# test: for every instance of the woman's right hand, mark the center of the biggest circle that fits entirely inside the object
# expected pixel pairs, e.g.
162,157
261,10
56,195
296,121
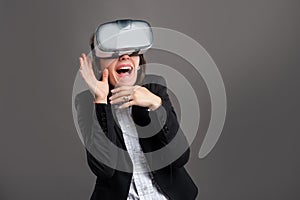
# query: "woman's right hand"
99,89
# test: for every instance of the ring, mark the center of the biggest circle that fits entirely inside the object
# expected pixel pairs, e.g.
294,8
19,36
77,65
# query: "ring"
126,98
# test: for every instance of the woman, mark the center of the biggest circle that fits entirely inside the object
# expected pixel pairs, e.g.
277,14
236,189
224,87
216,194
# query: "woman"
125,102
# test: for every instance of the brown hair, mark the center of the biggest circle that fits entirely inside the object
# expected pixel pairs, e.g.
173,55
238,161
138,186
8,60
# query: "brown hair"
96,64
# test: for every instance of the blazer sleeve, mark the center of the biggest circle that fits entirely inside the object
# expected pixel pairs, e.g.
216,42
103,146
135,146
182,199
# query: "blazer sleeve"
97,134
170,127
102,153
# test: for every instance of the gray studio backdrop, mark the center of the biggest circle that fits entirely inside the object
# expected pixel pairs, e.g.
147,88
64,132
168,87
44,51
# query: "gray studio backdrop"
255,44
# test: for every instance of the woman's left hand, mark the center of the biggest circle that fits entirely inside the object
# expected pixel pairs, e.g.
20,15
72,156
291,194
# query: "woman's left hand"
135,95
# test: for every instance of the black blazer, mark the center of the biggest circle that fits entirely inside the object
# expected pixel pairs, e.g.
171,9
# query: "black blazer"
98,129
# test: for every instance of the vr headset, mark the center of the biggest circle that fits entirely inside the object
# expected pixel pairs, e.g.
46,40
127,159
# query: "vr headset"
113,39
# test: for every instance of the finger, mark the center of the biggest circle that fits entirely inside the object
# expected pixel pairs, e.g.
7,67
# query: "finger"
122,88
81,62
120,94
86,62
127,104
121,99
86,70
105,76
82,68
115,101
83,56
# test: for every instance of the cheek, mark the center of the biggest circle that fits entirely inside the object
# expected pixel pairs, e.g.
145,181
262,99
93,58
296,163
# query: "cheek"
111,75
106,63
111,69
136,61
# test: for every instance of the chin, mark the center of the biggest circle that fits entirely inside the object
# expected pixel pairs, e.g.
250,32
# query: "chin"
125,83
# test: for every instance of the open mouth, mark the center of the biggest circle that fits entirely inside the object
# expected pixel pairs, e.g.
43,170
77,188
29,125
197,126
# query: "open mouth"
124,70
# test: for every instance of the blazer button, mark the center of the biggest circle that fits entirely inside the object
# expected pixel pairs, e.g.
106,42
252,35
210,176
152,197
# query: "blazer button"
166,129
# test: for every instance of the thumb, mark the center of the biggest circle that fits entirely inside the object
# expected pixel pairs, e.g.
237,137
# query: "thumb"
105,76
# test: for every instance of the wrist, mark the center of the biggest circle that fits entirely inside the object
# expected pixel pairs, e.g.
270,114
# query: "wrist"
100,100
155,104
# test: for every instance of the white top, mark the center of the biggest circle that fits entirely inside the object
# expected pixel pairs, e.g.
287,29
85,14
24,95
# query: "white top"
143,185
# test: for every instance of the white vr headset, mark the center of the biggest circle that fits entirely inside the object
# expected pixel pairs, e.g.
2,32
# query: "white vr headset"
113,39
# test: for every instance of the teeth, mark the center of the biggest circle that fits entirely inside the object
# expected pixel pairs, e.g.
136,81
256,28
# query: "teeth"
125,67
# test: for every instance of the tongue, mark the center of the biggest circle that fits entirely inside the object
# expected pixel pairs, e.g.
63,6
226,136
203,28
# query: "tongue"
122,71
123,74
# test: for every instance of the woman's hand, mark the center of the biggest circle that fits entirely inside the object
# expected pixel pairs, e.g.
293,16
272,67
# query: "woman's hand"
135,95
99,89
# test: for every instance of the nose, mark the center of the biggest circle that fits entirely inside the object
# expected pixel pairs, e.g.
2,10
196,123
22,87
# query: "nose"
124,57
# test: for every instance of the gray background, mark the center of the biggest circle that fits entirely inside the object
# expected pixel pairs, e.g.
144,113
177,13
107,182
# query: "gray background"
255,44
